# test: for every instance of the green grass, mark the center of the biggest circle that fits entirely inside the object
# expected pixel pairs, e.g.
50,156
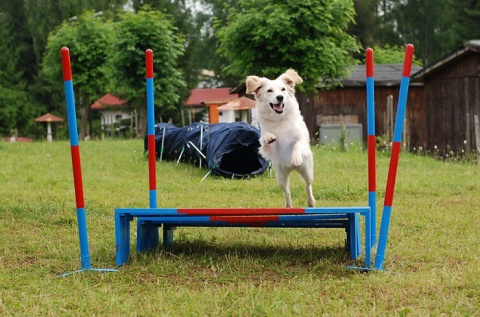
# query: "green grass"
432,258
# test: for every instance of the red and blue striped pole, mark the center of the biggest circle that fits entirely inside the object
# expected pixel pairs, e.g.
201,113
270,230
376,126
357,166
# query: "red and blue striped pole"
77,168
371,141
147,237
75,151
396,146
151,129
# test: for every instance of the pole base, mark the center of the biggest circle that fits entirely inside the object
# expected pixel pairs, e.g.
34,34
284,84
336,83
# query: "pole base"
88,269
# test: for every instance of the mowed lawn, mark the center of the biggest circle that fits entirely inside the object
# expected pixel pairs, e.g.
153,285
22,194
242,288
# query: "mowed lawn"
432,260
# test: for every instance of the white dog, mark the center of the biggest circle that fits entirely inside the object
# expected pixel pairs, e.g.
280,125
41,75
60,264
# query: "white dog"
284,136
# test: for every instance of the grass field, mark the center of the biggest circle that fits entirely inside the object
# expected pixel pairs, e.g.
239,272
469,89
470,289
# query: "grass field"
432,258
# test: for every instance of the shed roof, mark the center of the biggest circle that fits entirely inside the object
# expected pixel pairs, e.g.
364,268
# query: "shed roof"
210,96
470,47
242,103
384,75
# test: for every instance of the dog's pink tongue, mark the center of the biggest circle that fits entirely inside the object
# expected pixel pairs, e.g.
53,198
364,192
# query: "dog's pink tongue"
278,107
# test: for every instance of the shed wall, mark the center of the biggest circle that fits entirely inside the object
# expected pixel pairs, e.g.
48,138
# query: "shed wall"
452,97
350,102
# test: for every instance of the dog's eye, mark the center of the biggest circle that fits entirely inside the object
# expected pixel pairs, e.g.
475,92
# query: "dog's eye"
270,91
283,89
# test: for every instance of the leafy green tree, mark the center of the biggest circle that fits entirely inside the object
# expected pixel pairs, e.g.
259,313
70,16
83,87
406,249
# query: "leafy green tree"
88,39
15,109
366,25
466,25
215,16
29,22
265,37
426,24
392,55
134,34
184,20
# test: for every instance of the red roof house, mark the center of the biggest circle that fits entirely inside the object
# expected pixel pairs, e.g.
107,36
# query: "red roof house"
211,98
112,112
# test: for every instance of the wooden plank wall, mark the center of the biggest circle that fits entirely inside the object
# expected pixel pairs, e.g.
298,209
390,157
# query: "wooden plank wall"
452,99
351,103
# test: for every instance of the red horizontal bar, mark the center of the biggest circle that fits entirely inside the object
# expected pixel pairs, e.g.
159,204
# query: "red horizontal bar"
240,211
246,220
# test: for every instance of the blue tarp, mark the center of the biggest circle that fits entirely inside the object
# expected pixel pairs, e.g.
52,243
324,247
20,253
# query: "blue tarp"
230,149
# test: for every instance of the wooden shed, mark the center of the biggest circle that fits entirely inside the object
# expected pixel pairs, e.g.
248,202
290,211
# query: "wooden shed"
347,104
452,99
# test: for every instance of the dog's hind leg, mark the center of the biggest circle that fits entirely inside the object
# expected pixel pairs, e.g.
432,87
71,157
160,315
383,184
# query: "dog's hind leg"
306,173
283,178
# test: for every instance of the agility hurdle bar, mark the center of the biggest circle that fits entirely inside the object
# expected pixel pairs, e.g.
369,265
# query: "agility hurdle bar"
77,169
149,219
396,146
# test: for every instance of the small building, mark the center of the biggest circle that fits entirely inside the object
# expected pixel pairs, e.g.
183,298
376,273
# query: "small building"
112,111
241,109
211,99
452,99
346,105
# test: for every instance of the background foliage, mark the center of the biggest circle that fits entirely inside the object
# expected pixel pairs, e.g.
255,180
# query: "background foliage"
87,38
135,33
435,26
268,37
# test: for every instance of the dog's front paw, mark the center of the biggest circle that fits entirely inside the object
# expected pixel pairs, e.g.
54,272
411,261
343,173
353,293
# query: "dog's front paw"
269,138
296,160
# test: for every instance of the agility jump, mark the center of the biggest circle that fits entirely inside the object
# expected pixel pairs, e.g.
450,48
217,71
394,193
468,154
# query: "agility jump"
150,219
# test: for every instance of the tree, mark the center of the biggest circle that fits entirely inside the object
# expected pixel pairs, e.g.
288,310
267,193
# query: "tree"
88,39
466,24
266,37
365,27
15,110
215,16
134,34
392,55
426,24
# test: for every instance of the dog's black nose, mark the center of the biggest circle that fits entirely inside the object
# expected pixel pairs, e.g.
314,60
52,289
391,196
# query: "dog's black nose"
280,98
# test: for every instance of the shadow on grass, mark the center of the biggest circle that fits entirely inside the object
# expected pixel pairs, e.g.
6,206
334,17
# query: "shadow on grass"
203,259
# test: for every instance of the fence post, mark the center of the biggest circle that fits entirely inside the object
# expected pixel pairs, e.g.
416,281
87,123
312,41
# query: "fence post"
389,118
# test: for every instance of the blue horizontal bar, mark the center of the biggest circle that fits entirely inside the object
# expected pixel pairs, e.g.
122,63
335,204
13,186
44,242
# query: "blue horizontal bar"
205,221
139,212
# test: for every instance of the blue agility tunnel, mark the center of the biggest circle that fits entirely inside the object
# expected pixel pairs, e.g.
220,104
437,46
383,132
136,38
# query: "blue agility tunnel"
226,149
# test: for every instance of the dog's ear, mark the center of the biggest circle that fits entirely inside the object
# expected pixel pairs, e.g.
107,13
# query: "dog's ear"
291,78
254,83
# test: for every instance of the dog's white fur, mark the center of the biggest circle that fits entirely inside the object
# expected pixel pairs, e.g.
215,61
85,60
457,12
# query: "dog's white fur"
284,136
